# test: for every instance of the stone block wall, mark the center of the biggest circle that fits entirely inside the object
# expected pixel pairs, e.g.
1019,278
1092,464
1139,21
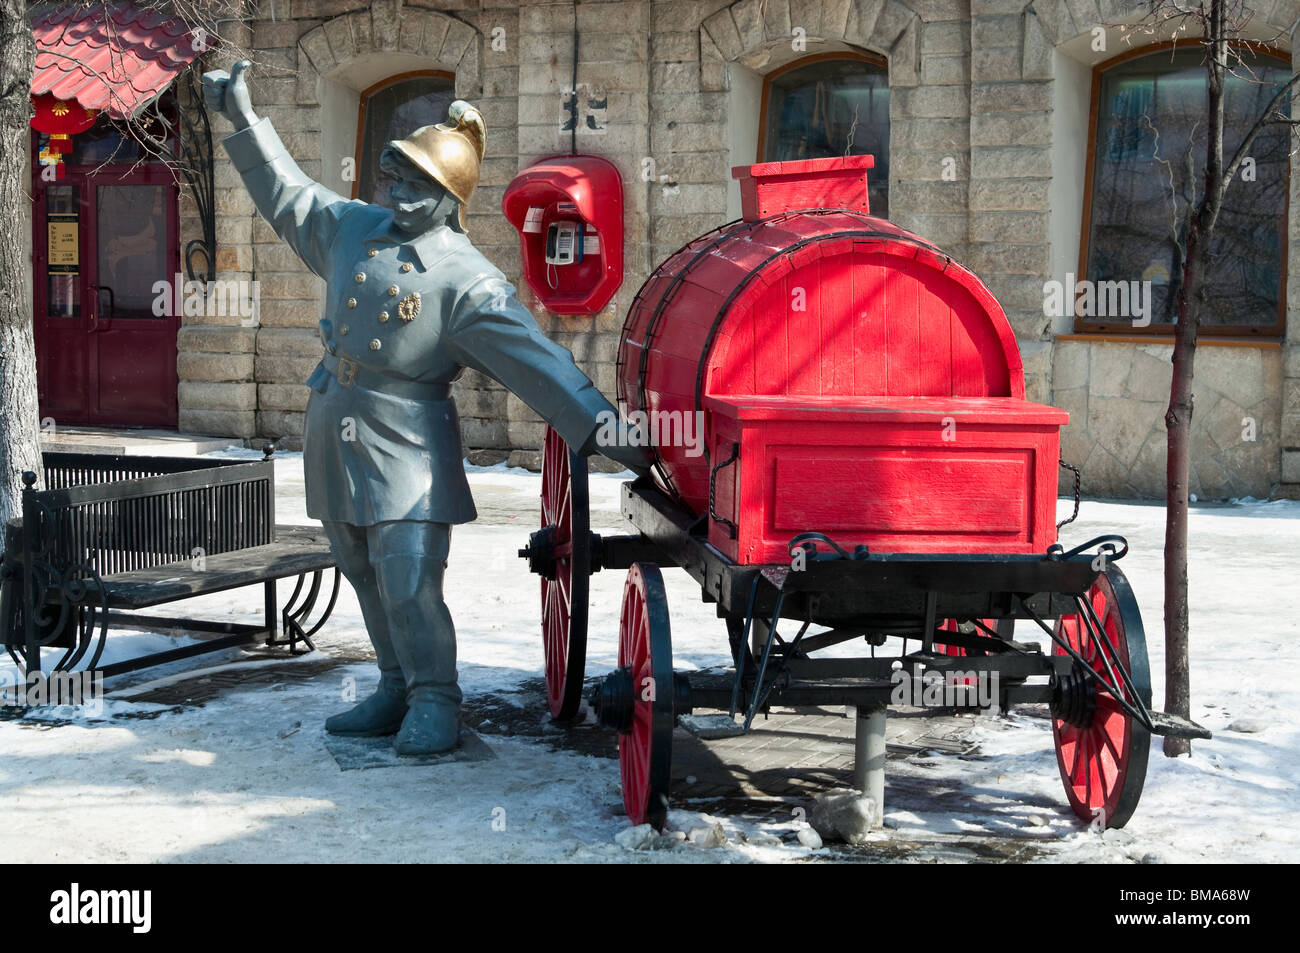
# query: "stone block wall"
974,168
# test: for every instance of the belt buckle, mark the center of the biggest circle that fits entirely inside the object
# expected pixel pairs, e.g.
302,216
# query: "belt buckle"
347,371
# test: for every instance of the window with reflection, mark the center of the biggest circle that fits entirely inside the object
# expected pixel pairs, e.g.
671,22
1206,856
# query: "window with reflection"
830,105
1147,165
132,248
392,110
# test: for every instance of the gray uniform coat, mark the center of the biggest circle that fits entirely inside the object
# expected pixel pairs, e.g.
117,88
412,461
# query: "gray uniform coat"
403,317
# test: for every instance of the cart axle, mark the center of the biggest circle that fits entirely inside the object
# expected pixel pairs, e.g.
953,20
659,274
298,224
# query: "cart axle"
1176,726
614,698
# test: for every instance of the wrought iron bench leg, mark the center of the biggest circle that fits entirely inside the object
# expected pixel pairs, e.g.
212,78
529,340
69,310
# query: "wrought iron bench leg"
269,589
295,615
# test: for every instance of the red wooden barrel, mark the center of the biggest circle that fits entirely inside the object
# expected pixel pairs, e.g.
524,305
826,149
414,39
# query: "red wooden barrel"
806,302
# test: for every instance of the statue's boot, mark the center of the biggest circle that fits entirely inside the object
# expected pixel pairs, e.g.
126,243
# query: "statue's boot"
381,713
414,559
431,726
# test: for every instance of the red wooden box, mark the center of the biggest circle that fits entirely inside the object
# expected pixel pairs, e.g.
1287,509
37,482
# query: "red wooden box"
901,474
769,188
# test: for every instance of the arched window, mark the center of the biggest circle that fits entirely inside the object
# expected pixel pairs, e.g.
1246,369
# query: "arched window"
831,104
392,109
1146,164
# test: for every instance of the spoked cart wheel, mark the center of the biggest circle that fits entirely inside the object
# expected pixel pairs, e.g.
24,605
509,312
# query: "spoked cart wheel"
561,553
1101,750
644,697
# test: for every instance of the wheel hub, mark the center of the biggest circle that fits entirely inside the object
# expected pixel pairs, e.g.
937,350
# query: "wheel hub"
1074,698
540,552
614,700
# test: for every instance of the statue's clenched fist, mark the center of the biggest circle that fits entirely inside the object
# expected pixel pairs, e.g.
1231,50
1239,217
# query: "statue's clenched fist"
227,94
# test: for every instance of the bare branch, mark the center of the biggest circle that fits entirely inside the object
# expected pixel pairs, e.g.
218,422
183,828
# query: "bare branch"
1173,188
1256,128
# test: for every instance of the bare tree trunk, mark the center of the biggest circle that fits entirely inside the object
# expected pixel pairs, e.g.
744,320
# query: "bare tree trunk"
19,426
1178,422
1178,418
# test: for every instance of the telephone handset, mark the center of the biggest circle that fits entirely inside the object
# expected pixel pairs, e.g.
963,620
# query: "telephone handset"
562,243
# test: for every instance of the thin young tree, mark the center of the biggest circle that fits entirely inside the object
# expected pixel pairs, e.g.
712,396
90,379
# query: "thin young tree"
1219,27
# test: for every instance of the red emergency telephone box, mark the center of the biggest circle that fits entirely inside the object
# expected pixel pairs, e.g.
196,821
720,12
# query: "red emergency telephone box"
568,210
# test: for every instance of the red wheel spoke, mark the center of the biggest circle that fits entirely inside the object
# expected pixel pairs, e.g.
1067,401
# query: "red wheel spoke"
564,599
1111,753
645,654
1103,764
1080,749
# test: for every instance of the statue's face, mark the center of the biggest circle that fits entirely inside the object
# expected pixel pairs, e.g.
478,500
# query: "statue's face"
419,203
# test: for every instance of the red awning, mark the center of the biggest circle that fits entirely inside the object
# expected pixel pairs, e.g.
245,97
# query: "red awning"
110,56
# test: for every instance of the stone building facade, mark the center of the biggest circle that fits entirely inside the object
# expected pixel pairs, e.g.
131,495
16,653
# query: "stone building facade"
988,125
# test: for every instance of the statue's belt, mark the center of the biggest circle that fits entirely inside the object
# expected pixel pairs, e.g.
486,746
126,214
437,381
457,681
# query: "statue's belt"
351,374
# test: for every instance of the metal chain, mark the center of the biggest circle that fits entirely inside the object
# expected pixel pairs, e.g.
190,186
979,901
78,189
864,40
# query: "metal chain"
1075,514
713,491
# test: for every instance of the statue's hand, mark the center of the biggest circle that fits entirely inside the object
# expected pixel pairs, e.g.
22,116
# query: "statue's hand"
623,447
227,94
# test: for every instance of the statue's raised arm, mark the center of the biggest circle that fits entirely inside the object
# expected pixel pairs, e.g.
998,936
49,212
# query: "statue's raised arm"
305,214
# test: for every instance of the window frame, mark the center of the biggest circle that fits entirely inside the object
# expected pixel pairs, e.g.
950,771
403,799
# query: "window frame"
1086,326
379,87
873,59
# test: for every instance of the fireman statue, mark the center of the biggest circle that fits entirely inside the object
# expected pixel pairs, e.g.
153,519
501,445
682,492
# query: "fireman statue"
410,303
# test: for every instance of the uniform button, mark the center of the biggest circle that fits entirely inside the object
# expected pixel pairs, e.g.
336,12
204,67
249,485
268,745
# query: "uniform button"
358,277
352,302
374,344
392,290
343,329
406,266
383,316
373,252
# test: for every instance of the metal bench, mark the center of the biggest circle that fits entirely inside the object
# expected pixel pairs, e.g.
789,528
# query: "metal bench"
110,535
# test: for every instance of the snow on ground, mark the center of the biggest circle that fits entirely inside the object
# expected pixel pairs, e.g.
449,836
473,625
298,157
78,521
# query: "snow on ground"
247,777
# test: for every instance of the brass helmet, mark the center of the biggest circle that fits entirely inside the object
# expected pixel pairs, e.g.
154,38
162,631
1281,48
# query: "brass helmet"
450,152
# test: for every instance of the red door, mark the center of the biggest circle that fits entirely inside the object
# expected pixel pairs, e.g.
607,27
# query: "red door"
105,243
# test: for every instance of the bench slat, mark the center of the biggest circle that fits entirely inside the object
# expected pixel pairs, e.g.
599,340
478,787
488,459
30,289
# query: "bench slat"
297,550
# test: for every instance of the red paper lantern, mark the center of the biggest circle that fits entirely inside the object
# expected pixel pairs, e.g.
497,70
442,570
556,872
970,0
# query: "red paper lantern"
61,119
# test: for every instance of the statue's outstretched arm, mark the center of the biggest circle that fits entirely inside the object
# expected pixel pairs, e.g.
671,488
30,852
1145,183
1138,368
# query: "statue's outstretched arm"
493,333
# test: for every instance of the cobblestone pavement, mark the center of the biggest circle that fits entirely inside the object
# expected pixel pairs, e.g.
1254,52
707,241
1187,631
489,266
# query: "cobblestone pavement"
764,775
